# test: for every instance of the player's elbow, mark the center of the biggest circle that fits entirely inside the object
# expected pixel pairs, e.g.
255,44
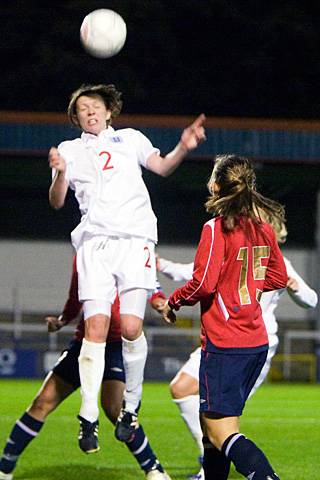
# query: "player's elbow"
166,168
57,206
56,203
56,198
162,171
160,166
165,172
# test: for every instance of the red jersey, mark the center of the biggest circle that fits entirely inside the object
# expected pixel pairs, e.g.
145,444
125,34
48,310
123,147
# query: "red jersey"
231,270
73,309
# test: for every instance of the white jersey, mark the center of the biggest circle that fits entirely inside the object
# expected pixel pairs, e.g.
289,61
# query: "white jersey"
105,172
305,297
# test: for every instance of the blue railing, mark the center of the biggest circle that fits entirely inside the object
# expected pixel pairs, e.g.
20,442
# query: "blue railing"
264,143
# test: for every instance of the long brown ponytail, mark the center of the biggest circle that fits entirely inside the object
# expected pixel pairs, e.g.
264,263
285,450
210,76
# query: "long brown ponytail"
236,194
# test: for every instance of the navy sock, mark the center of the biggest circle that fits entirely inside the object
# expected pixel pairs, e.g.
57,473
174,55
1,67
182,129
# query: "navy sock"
142,451
215,464
24,430
248,459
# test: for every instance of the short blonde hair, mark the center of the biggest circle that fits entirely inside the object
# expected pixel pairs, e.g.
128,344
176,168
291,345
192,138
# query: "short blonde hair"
277,224
280,230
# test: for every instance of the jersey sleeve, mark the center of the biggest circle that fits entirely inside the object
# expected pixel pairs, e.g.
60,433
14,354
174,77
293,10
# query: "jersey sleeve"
178,272
144,148
305,297
72,306
276,275
207,266
156,293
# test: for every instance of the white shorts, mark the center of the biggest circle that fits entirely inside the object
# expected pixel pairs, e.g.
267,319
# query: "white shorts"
110,265
192,365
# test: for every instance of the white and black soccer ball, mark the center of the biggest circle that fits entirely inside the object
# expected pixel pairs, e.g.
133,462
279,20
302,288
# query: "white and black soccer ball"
103,33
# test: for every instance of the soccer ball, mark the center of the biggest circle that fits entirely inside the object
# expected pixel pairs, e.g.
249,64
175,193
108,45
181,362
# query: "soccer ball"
103,33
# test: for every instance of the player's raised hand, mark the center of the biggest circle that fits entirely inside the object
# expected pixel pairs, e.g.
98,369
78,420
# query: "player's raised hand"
194,133
55,160
167,313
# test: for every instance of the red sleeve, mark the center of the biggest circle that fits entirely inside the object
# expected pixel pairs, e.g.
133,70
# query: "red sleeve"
72,306
276,276
207,265
155,295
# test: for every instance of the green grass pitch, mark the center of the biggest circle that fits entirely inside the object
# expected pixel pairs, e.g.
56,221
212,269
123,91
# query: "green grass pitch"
283,419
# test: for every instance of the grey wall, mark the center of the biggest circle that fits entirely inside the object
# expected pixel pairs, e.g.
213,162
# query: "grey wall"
35,275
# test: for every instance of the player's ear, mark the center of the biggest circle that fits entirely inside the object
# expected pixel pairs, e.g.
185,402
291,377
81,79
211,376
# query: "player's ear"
75,120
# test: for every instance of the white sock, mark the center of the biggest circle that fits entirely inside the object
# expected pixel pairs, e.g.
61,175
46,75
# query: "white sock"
91,368
189,410
134,359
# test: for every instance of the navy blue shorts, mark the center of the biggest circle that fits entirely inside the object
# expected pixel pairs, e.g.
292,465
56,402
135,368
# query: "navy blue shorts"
67,367
227,379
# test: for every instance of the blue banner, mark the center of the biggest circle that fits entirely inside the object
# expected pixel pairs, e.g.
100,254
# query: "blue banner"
18,363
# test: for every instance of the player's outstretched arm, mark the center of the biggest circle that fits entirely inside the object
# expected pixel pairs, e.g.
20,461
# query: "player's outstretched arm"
299,291
59,186
178,272
191,137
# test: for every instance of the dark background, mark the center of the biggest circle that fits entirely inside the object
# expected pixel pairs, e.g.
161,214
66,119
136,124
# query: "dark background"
226,58
177,200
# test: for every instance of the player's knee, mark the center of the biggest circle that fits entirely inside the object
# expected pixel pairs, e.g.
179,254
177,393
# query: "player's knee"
176,390
131,332
96,332
42,406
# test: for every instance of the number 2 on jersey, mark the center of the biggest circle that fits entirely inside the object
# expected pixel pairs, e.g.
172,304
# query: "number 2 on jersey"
107,165
258,270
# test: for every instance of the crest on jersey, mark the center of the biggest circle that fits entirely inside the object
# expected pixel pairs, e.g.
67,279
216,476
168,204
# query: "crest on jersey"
116,139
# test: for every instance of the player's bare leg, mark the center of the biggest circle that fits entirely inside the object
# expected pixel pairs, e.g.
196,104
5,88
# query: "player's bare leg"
91,368
52,392
111,398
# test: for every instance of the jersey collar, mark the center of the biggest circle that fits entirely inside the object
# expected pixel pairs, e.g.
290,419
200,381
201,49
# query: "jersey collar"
90,139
